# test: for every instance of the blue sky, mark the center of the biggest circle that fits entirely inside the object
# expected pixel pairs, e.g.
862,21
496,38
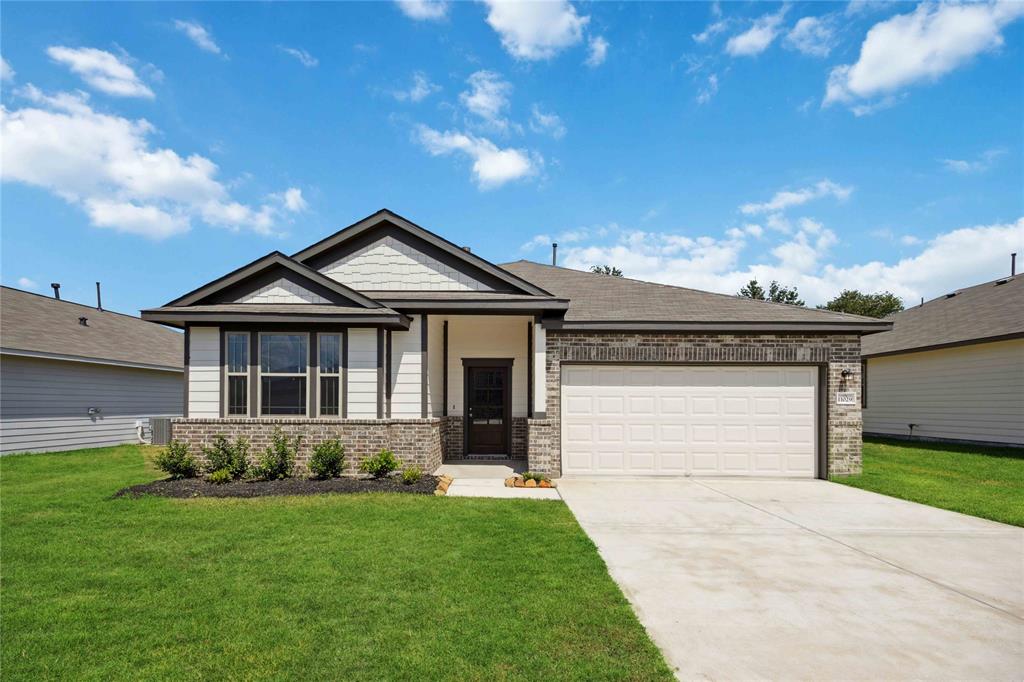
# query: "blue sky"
155,147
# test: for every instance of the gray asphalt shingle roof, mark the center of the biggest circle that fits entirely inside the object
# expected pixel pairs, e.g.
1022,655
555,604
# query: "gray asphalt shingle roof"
985,311
41,324
601,298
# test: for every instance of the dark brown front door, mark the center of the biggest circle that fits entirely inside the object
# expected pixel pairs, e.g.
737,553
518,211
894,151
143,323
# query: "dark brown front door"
488,409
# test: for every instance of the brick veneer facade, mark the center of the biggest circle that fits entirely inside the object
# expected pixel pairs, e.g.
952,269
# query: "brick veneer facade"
427,442
417,442
835,352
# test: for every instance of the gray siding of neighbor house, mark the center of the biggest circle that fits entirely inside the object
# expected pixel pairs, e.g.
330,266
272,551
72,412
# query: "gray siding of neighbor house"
44,404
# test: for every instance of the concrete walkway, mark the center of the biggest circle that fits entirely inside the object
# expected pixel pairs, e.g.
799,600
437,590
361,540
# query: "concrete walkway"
475,478
758,579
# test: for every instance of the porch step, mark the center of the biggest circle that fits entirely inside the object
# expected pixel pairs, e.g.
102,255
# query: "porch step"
493,458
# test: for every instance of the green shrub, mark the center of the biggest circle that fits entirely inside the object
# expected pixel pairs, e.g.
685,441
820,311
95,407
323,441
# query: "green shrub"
234,457
534,476
327,459
177,461
411,475
381,464
220,476
278,460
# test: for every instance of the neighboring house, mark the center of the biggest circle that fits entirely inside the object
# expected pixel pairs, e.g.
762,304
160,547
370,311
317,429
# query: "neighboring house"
387,335
951,368
73,376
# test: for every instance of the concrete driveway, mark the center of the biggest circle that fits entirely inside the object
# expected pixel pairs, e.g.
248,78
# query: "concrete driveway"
746,579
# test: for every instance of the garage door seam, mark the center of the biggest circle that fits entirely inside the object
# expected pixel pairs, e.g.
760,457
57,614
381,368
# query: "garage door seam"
861,551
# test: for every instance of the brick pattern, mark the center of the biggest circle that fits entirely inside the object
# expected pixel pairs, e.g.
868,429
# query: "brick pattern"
282,291
417,442
452,435
839,351
390,265
542,452
519,438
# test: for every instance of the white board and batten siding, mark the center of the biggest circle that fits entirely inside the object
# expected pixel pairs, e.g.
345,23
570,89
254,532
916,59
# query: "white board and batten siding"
362,373
973,393
685,420
204,372
45,403
407,371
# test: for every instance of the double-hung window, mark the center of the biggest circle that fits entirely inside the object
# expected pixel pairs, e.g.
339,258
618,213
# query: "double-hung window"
283,371
330,375
237,346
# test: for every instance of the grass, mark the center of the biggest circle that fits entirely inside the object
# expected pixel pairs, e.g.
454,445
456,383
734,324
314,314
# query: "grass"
349,587
980,481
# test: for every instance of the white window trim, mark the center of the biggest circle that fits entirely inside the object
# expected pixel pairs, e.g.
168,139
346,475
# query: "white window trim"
320,373
260,374
228,374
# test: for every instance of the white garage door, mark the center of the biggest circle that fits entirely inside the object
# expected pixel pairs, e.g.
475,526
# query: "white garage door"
681,420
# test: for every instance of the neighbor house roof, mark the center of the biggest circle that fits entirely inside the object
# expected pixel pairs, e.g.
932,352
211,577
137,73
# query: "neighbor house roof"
41,326
604,302
987,312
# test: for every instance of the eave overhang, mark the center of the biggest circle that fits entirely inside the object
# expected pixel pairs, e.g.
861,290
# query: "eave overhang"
180,317
556,324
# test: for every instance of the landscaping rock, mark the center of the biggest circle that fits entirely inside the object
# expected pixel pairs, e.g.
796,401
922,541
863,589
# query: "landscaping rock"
546,484
531,484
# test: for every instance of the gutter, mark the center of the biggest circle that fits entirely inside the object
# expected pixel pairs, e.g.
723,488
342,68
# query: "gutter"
93,361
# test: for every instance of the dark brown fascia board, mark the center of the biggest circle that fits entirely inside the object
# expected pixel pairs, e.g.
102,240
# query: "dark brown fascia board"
940,346
482,306
272,258
440,242
179,318
717,327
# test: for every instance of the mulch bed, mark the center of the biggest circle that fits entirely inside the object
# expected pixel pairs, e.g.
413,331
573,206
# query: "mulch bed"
198,487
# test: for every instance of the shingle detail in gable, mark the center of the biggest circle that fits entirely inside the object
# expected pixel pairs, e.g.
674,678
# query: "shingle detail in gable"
390,265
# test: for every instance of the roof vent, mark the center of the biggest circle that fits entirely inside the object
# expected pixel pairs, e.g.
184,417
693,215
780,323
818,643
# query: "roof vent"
466,249
1001,281
84,321
951,295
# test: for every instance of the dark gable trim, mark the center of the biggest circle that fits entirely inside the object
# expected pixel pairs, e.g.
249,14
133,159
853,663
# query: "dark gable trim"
482,270
477,307
767,327
940,346
184,316
273,259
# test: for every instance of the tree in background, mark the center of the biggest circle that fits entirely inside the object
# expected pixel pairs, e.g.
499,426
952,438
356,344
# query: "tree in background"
606,270
871,305
776,293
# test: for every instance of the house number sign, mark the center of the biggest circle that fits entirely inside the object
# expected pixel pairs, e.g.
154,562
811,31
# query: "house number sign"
846,398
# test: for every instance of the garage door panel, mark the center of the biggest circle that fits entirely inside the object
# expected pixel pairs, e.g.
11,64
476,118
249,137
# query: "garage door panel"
676,420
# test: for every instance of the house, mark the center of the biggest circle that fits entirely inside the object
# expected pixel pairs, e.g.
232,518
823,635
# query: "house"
387,335
74,376
951,369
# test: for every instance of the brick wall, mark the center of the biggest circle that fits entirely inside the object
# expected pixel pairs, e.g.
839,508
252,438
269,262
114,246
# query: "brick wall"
837,352
452,436
542,452
417,442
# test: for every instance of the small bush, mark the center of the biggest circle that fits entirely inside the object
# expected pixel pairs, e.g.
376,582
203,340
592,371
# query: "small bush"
381,464
177,461
534,476
234,457
411,475
327,459
278,460
220,476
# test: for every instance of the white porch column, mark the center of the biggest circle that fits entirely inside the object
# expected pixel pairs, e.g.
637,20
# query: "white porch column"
540,388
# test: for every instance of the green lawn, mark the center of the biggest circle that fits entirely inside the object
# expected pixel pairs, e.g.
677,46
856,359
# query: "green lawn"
981,481
327,587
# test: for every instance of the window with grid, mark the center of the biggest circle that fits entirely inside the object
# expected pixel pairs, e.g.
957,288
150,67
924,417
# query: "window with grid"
283,367
330,374
238,373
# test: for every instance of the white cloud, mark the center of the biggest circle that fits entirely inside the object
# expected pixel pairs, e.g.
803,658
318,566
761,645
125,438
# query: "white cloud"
923,45
424,10
784,199
305,58
26,283
978,165
420,89
105,164
909,240
292,199
546,122
6,72
949,261
709,90
198,34
102,70
492,166
712,29
535,30
567,237
598,52
758,37
487,97
814,36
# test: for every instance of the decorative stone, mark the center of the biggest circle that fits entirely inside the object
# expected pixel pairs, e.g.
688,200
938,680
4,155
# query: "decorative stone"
545,484
519,483
510,482
531,483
